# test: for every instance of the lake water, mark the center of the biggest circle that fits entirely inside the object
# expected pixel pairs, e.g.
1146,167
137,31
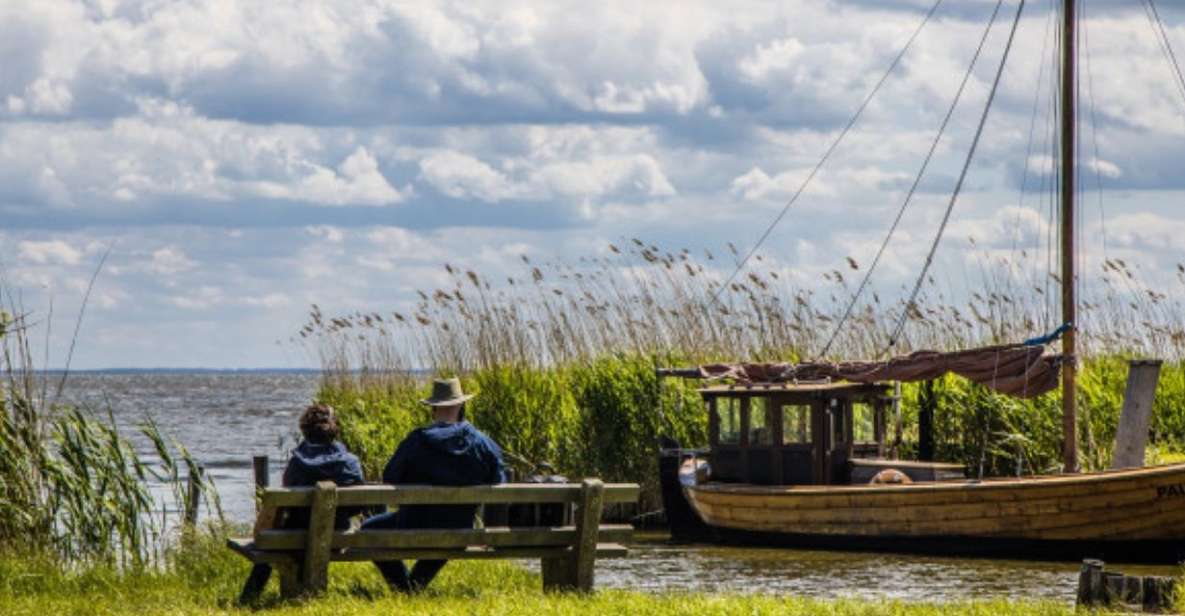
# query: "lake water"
226,418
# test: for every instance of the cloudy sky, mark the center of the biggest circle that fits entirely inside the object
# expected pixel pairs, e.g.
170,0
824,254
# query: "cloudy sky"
242,160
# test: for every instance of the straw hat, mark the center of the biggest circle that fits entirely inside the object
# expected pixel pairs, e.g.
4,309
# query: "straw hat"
446,392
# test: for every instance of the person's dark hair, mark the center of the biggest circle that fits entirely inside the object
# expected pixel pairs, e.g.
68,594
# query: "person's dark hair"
318,424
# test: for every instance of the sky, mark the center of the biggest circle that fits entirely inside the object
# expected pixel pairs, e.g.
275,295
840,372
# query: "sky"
239,161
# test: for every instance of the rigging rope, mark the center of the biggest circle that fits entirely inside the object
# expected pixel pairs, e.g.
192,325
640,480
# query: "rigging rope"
962,177
1166,46
826,155
917,181
1024,180
1094,131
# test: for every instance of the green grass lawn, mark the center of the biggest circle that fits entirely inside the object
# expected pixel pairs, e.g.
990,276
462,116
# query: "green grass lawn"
204,579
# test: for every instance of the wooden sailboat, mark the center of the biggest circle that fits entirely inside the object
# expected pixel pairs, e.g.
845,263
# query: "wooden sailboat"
790,460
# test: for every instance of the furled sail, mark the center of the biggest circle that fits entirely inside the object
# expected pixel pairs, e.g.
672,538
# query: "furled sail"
1022,370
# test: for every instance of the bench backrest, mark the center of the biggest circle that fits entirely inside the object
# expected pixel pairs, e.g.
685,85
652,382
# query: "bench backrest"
506,493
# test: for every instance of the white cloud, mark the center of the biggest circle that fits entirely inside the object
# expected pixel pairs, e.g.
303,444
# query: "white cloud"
270,300
462,176
357,181
328,232
170,260
201,298
49,252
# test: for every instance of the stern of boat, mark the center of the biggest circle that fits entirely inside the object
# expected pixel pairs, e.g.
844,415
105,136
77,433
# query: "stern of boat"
679,468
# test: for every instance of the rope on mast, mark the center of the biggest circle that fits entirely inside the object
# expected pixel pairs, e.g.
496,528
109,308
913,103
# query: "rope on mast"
1094,130
1024,180
826,155
962,177
916,182
1166,46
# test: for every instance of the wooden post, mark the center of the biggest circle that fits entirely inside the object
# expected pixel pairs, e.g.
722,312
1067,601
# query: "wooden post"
1158,593
1151,593
194,492
262,476
1113,587
320,535
1090,582
259,464
1132,436
1133,590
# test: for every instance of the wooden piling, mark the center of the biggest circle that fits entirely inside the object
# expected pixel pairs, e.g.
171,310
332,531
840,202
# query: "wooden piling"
1090,578
1131,437
259,464
1097,588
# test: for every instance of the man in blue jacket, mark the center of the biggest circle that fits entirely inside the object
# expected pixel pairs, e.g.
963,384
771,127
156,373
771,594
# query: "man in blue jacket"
450,452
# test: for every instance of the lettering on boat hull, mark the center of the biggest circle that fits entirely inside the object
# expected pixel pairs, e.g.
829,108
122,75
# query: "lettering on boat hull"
1176,490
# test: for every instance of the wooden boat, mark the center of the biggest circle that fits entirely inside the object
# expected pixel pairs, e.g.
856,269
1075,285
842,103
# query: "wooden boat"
1146,504
790,460
829,439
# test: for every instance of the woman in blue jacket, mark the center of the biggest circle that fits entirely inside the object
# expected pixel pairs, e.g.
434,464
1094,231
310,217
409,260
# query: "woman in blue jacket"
318,457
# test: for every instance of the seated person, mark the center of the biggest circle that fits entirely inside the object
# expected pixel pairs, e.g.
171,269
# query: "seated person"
450,452
318,457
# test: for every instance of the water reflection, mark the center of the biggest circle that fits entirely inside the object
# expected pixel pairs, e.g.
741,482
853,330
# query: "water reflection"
656,565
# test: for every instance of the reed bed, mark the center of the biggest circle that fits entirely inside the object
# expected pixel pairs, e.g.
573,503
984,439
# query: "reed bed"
563,354
72,486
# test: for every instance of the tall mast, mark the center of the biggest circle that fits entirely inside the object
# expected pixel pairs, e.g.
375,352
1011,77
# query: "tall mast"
1069,302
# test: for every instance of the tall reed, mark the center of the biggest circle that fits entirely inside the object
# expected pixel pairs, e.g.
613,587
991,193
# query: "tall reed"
71,484
563,354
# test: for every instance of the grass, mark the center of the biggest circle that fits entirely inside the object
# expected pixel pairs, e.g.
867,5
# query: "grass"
203,577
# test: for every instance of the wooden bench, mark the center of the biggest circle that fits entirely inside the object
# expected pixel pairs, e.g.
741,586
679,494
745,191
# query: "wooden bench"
302,556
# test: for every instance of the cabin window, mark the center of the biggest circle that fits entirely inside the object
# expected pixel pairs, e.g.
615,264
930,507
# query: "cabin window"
796,424
729,411
760,423
863,423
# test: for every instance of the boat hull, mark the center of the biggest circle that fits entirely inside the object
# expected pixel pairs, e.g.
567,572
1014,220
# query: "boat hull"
1132,515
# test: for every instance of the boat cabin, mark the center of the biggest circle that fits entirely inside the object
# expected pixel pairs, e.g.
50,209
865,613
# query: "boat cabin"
804,434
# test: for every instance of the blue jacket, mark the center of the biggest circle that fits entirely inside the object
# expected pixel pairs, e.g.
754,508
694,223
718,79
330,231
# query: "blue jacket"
444,454
313,462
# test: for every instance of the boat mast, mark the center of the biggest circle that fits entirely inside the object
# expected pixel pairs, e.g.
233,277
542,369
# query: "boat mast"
1069,302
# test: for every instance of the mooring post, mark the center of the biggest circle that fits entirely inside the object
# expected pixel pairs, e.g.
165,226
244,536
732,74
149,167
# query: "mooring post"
260,465
1090,582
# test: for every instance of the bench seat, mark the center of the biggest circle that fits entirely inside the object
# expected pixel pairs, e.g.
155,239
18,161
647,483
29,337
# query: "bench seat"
246,547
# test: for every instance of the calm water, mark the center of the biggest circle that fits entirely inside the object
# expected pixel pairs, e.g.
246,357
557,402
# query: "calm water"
226,418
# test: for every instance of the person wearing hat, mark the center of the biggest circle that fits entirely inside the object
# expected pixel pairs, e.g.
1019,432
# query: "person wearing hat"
450,452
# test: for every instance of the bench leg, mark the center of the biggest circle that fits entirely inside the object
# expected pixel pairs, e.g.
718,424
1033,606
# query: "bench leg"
256,581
